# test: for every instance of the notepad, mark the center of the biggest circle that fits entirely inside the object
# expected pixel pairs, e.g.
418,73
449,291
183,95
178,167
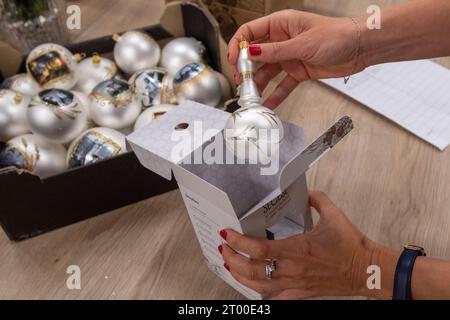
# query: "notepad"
413,94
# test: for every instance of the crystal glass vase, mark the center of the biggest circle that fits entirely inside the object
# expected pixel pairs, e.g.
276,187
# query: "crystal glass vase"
24,24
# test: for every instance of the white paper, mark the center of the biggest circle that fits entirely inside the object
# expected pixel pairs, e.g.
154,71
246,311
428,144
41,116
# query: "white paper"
413,94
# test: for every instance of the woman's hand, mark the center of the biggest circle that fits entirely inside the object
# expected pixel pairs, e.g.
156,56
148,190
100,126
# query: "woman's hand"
331,260
305,45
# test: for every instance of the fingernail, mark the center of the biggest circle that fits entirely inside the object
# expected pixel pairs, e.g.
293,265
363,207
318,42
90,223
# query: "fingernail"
220,249
226,266
223,234
254,50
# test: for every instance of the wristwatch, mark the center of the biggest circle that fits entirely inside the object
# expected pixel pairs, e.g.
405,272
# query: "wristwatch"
403,272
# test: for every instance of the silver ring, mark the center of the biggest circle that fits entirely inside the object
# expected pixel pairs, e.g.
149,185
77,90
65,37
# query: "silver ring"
271,266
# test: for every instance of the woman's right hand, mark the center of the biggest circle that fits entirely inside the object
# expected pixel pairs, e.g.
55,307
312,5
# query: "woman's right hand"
304,45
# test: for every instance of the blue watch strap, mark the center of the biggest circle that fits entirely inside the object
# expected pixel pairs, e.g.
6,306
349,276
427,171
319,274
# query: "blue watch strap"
403,272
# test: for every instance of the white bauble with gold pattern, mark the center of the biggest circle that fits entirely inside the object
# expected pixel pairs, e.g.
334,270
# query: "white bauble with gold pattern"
94,145
34,154
92,71
152,114
198,82
23,83
52,66
85,102
135,50
113,104
13,110
225,87
152,86
57,115
179,52
253,133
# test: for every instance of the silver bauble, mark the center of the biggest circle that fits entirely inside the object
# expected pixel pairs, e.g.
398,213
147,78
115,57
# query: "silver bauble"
13,111
56,115
180,52
252,133
225,87
151,86
52,66
85,102
198,82
151,114
135,51
126,131
32,153
92,71
114,104
95,145
22,83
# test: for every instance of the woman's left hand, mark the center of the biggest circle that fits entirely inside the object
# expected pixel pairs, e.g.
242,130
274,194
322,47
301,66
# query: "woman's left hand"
330,260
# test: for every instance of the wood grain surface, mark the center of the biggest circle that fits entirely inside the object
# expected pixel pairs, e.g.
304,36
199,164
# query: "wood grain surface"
393,186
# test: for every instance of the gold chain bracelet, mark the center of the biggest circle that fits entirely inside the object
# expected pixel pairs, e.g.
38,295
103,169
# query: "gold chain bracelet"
358,49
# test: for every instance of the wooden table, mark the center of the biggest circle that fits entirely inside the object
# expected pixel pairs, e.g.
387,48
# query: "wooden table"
393,186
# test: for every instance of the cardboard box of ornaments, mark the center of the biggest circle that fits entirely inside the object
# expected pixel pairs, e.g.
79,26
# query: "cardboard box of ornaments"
30,206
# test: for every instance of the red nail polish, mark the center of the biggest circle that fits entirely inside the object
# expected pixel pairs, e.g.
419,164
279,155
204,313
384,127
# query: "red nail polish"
220,249
223,234
254,50
226,266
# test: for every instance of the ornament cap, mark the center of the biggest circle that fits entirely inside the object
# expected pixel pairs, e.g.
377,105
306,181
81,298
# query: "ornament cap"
116,37
18,98
243,44
96,58
79,56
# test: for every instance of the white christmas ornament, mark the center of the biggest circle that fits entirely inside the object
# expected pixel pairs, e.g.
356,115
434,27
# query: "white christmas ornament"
22,83
114,104
180,52
151,86
57,115
252,132
92,71
198,82
151,114
135,51
95,145
225,87
85,102
13,110
52,66
31,153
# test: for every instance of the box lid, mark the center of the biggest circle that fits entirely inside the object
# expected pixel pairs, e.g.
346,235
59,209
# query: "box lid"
157,145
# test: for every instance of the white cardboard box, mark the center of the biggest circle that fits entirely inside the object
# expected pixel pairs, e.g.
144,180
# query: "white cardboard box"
236,196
